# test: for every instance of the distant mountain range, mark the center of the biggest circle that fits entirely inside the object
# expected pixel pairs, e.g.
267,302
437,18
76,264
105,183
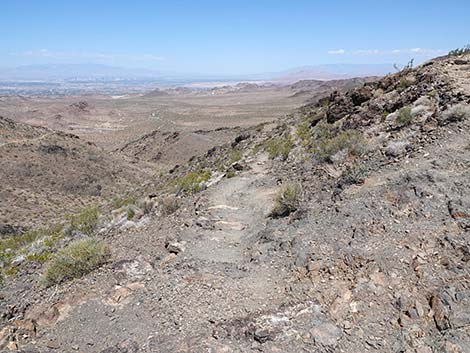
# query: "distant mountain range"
96,72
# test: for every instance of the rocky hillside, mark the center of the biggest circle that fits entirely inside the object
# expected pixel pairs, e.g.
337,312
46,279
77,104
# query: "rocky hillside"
167,149
47,174
312,90
342,229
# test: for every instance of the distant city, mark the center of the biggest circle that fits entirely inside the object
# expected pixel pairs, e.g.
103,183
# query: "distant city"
93,79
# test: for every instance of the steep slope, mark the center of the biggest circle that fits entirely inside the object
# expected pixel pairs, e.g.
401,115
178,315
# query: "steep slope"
170,148
372,254
315,89
46,174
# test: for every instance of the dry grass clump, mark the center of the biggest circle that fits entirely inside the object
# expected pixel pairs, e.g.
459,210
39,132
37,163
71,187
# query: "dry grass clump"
457,112
168,205
191,182
404,116
328,141
287,200
20,244
85,221
75,260
279,147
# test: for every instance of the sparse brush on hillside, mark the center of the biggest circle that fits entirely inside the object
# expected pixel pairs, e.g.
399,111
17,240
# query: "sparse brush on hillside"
20,245
191,182
168,205
456,113
235,156
304,133
86,220
130,212
404,84
279,147
121,201
404,116
75,260
287,200
328,141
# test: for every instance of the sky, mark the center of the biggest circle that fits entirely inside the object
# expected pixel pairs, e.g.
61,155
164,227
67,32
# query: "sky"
229,36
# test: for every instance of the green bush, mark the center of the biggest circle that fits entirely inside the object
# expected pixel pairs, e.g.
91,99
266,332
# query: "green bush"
11,246
121,201
130,213
328,141
256,148
85,221
75,260
287,200
230,174
279,147
304,133
18,241
191,182
404,116
235,156
404,84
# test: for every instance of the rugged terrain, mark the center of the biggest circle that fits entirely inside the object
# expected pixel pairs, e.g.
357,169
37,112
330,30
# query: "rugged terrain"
370,253
43,170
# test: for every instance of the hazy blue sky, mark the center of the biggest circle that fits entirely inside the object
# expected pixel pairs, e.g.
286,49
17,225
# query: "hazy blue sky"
238,36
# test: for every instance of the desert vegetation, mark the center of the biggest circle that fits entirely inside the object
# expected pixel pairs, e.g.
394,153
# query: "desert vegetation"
168,205
404,116
279,147
191,182
75,260
327,141
86,220
287,200
32,245
457,112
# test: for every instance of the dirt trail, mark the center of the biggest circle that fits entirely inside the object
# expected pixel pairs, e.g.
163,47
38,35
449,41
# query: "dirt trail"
235,209
207,284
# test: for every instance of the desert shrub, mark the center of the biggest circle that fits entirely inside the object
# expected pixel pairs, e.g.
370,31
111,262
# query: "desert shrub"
279,147
304,133
328,142
230,174
18,241
352,175
146,205
75,260
86,220
404,116
130,213
457,112
287,200
403,84
168,205
256,148
11,245
40,258
384,115
191,182
235,156
122,201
